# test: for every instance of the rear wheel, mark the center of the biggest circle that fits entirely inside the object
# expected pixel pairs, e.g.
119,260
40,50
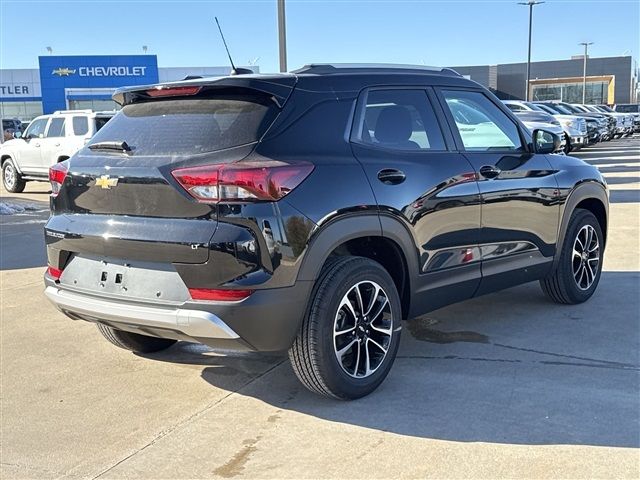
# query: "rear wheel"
350,335
134,341
579,267
11,179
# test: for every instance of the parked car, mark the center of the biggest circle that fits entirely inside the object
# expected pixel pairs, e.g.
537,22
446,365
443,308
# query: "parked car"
387,193
535,120
49,139
575,128
608,122
628,118
630,108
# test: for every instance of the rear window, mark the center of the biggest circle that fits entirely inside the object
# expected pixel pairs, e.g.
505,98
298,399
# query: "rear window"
190,126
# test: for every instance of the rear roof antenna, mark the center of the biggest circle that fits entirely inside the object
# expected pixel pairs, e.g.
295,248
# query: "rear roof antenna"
234,70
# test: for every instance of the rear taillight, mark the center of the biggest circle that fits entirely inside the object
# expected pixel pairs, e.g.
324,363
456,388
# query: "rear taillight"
243,182
54,273
172,91
219,295
57,174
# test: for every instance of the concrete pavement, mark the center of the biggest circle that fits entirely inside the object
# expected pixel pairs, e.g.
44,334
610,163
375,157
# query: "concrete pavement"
506,385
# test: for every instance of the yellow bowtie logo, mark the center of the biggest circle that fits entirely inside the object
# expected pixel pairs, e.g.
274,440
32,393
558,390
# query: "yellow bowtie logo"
105,182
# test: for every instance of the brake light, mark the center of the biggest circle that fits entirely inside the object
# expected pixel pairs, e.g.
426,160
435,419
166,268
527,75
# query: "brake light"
247,182
172,91
219,295
54,273
57,174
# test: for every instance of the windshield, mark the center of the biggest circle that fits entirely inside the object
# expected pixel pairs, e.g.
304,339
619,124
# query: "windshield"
605,108
561,109
189,126
552,107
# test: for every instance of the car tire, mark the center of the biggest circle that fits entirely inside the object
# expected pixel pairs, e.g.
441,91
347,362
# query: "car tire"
577,273
11,178
134,341
353,363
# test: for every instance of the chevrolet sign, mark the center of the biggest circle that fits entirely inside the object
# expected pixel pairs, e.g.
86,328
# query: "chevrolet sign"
63,72
111,71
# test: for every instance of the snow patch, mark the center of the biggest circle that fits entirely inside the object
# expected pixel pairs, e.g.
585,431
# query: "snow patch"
8,208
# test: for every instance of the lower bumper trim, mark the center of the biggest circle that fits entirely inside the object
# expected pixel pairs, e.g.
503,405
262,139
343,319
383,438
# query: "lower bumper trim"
192,323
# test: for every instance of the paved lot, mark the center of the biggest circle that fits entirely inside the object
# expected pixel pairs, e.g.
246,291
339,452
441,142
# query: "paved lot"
507,385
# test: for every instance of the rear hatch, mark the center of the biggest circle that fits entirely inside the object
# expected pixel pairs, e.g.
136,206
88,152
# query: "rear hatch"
118,198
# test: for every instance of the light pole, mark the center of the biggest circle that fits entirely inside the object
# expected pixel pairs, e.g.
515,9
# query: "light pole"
584,71
531,4
282,36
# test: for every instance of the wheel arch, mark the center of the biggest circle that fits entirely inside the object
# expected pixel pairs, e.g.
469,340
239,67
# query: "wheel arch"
4,157
382,239
590,196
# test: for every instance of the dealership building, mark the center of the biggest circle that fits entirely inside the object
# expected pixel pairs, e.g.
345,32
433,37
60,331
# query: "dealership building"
610,80
83,82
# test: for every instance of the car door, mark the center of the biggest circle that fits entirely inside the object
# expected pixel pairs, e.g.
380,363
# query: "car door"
418,178
30,152
519,190
51,144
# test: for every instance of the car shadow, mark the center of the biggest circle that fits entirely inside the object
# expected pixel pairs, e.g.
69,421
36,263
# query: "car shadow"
509,368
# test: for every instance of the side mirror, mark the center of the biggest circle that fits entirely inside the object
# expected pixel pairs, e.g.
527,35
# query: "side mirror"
545,142
17,134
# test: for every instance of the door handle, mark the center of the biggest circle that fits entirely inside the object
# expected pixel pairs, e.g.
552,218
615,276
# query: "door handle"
37,145
57,144
391,176
490,171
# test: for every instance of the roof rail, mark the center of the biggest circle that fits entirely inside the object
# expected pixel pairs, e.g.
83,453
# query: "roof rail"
329,68
73,111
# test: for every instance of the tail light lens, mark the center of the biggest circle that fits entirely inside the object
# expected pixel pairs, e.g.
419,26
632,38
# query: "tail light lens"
219,295
244,182
57,174
54,273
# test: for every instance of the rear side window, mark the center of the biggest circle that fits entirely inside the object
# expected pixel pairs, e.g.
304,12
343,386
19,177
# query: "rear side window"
80,125
56,128
101,121
481,124
514,107
400,120
190,126
627,108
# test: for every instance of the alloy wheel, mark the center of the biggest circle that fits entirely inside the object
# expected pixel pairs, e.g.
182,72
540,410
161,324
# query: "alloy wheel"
9,176
362,330
586,257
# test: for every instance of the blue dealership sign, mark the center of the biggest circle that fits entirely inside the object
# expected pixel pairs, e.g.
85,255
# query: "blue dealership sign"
59,73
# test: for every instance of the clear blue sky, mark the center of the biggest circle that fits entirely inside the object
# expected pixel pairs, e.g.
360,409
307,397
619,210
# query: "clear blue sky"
182,33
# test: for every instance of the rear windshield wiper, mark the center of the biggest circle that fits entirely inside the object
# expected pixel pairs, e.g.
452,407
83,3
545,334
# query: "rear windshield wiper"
114,146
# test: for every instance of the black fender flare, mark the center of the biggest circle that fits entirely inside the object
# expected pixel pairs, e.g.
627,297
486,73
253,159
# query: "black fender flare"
582,191
348,227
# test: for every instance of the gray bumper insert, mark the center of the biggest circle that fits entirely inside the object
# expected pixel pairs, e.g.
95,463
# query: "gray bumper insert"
193,323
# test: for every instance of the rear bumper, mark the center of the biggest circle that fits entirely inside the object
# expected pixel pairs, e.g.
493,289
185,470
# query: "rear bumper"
268,320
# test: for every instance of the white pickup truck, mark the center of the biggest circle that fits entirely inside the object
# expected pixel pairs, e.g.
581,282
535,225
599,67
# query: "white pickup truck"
49,139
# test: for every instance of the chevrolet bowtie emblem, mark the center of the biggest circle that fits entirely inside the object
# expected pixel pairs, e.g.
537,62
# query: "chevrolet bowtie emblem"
105,182
63,72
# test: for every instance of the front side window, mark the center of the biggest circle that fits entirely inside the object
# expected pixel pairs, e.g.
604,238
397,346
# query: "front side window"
36,129
56,128
481,124
80,125
400,120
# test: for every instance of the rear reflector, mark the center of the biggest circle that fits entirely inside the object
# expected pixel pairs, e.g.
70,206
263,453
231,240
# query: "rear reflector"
54,273
173,91
243,182
219,295
57,174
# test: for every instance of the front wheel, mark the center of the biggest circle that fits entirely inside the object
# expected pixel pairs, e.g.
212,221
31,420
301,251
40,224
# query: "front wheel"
11,179
577,274
350,334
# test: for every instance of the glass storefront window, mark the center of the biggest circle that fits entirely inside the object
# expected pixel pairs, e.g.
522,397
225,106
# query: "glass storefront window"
95,105
597,92
21,110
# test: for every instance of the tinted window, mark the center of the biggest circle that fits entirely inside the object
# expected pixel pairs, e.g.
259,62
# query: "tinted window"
627,108
101,121
482,125
80,125
186,127
56,128
514,107
36,128
401,120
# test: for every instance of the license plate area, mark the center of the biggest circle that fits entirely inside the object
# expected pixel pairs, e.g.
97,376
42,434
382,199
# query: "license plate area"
117,278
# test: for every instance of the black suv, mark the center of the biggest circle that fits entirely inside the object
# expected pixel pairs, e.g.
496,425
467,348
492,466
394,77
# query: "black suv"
312,212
